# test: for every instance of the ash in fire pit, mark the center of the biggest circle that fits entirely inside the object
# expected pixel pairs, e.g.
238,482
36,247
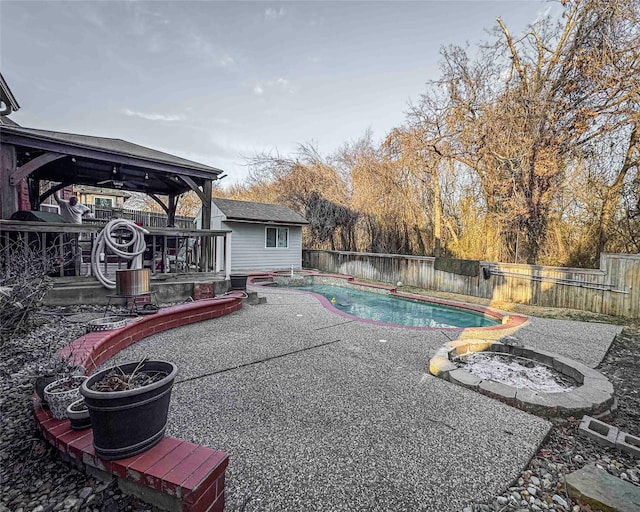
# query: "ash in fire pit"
517,372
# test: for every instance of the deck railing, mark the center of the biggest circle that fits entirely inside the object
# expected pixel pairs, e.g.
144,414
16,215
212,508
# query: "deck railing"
104,214
67,249
151,219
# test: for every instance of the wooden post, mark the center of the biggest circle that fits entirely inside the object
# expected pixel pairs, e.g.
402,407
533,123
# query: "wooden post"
227,258
171,211
206,249
8,192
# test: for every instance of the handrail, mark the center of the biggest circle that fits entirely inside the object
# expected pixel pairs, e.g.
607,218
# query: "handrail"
57,227
170,249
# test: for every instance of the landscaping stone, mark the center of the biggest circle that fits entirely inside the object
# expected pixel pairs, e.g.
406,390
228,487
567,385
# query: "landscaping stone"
498,390
441,366
464,378
601,491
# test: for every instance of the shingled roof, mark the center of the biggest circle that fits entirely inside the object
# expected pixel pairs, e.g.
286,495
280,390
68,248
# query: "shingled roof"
246,211
112,146
97,161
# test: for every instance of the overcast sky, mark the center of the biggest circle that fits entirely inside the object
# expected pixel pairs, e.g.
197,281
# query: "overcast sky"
217,81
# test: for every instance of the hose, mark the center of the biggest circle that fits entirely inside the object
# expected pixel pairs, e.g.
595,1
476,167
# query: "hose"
131,250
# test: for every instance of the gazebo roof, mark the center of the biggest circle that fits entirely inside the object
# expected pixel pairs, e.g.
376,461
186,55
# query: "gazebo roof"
113,163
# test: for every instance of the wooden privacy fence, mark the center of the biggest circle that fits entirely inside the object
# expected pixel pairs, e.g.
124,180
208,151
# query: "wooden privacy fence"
613,289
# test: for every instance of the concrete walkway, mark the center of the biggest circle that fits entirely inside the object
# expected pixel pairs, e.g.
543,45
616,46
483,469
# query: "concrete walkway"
318,412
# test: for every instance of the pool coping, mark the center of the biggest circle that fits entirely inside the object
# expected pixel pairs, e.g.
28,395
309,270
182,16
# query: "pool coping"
509,321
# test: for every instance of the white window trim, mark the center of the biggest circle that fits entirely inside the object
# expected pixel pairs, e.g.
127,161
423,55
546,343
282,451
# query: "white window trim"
277,228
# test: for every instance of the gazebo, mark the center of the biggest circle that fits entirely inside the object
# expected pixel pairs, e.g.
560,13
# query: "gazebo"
30,156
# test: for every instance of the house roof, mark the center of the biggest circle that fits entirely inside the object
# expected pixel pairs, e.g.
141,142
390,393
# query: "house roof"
6,121
7,97
247,211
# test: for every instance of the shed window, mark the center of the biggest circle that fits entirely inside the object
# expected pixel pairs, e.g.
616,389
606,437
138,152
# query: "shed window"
277,237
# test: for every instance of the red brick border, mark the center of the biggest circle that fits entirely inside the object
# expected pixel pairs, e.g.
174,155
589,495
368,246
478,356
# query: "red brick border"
182,476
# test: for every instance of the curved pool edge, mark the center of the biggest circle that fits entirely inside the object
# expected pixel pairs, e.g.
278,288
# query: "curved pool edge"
509,322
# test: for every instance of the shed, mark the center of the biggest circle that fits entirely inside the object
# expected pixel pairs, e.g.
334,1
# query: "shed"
263,236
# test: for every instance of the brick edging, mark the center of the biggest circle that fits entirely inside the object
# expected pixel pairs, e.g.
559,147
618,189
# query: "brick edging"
94,348
175,475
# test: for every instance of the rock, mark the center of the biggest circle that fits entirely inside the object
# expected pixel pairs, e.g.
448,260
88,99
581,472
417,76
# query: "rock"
560,501
502,500
600,490
70,502
535,481
85,492
532,491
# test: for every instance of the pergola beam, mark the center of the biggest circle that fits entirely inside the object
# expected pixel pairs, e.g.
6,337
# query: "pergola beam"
24,170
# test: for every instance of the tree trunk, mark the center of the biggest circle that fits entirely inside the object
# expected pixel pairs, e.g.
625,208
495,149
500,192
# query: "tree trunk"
613,192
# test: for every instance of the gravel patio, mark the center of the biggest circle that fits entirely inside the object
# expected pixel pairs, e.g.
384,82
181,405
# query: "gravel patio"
318,412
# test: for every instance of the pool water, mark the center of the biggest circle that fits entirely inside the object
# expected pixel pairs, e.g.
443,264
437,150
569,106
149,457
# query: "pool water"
394,310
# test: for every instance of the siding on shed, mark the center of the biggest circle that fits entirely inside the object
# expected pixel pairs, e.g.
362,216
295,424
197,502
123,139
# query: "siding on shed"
248,251
217,217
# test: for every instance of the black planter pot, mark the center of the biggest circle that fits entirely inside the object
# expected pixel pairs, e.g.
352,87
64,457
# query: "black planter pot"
78,417
238,281
126,423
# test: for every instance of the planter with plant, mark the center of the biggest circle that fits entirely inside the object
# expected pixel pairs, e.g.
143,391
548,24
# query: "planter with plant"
61,393
78,415
129,405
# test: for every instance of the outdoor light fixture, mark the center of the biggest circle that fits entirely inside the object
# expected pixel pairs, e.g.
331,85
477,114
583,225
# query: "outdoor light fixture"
117,184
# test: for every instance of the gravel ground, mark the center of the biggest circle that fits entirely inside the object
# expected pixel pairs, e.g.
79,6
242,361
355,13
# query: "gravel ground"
32,478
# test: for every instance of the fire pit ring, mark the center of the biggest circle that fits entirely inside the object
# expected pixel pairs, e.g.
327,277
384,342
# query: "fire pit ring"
592,396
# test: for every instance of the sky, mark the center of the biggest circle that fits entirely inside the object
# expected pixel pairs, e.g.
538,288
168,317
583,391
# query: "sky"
218,82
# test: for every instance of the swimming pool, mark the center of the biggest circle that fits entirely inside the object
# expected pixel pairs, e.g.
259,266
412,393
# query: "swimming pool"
384,308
